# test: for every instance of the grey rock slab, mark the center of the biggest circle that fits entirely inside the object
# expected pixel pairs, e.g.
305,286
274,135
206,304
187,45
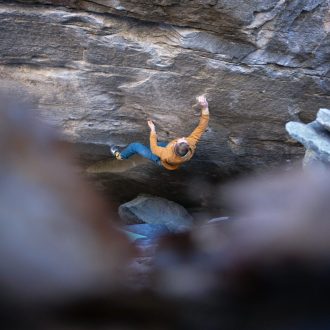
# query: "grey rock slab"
156,210
323,118
313,137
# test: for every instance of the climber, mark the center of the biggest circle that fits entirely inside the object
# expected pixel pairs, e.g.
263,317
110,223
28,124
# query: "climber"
169,155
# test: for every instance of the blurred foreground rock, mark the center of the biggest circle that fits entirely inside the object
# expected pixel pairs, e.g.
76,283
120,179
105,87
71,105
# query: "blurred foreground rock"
267,269
262,271
315,136
57,241
156,210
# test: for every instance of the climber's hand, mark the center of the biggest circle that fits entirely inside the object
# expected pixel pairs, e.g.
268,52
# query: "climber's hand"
151,125
202,102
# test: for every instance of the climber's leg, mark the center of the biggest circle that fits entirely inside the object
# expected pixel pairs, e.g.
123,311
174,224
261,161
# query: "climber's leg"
139,148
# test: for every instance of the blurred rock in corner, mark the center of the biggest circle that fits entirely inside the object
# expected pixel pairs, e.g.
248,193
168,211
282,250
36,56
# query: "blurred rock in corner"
267,268
57,241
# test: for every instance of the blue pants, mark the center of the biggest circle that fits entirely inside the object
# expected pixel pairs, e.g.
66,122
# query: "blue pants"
142,150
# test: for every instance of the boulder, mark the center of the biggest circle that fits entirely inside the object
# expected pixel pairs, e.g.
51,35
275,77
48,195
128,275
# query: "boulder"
315,137
155,211
323,118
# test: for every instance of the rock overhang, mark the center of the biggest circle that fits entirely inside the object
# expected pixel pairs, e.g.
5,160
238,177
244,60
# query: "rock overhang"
98,77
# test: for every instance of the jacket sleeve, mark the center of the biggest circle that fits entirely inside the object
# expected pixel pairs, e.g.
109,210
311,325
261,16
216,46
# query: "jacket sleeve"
194,137
155,149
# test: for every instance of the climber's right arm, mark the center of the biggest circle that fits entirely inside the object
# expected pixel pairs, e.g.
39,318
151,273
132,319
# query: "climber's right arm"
195,136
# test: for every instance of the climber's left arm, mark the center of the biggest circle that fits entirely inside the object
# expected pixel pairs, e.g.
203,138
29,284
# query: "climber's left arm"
155,149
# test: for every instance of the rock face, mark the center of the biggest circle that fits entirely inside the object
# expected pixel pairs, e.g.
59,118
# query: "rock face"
315,137
98,69
156,211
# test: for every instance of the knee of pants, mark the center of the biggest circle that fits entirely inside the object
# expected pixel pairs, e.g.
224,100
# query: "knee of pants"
130,149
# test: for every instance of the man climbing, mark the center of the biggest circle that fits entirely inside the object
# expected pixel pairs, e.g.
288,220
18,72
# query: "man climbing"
170,155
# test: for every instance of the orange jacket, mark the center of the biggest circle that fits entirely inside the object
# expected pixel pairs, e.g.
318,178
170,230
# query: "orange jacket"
167,154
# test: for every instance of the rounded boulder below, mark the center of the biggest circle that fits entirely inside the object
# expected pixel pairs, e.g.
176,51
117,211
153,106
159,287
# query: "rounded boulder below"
156,210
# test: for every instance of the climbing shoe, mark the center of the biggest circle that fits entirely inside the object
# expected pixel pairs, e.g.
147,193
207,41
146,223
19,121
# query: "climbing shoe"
115,151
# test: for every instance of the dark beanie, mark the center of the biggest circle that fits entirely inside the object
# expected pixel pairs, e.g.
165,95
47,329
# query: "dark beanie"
181,149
